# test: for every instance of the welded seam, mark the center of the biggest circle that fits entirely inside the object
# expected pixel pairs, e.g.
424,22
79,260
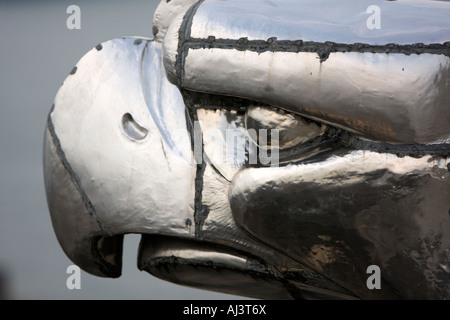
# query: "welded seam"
323,49
73,176
184,36
200,211
400,150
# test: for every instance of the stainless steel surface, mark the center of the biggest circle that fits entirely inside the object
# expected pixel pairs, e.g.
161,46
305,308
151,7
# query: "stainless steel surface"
210,267
326,65
293,130
100,178
126,151
165,13
93,123
402,22
80,236
358,208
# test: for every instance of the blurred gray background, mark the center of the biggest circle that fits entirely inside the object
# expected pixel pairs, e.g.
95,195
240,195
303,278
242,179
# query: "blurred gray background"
37,52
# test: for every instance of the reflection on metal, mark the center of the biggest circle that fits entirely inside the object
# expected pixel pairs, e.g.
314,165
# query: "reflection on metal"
132,129
363,174
293,130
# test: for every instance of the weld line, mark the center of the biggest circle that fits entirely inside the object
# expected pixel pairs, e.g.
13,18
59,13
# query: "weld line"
74,177
400,150
184,35
323,49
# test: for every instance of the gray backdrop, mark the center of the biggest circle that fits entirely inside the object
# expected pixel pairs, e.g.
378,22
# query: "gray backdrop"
37,51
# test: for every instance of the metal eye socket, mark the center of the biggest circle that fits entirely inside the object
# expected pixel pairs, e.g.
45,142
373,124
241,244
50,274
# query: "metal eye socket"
132,129
292,129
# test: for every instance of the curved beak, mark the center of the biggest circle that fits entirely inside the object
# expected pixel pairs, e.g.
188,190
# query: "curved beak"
78,232
116,152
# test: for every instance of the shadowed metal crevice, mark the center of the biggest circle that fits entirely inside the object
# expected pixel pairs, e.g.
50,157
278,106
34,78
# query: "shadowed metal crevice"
199,100
73,176
201,211
400,150
108,245
347,139
173,260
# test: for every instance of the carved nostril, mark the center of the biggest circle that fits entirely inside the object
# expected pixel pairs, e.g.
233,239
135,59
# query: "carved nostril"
132,129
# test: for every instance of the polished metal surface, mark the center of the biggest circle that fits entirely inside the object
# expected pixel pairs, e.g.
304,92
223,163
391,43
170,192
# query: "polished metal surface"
323,64
260,171
165,13
293,130
402,22
105,137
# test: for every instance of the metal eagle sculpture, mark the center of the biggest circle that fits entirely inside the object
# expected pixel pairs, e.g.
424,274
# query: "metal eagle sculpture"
269,149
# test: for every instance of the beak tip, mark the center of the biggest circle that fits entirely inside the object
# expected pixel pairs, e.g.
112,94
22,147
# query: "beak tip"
82,239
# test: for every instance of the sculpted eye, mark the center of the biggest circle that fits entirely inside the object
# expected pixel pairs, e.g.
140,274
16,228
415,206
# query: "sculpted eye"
292,129
132,129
